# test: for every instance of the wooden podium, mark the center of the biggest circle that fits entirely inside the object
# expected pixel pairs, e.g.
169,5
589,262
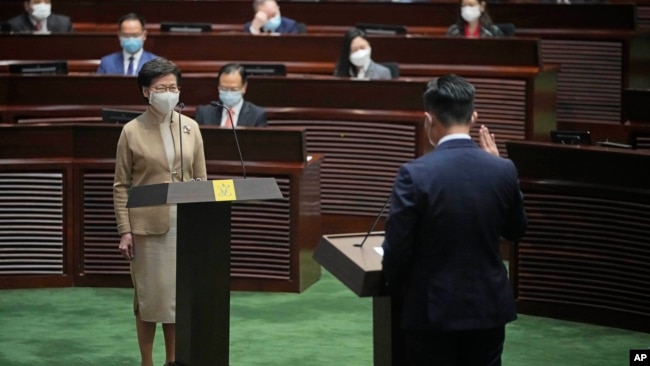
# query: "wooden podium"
359,268
203,259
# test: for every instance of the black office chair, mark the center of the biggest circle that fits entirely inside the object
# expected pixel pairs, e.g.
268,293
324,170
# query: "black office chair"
508,29
393,67
302,28
5,27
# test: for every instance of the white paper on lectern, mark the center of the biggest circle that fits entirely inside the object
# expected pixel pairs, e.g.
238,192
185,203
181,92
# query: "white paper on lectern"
379,251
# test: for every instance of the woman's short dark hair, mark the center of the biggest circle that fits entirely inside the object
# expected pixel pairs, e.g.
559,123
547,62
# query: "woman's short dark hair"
451,99
343,65
485,21
156,68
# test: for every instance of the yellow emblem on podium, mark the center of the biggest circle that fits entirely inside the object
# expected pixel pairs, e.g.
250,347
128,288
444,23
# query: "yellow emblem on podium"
224,190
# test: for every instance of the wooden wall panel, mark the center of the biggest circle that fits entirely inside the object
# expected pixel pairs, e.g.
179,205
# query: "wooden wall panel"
643,17
590,82
99,236
584,255
32,234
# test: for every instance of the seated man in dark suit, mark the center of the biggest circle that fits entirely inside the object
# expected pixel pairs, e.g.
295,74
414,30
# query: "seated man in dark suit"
449,210
132,35
267,20
38,18
232,87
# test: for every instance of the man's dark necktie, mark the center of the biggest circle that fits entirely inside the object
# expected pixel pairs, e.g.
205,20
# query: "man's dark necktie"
129,70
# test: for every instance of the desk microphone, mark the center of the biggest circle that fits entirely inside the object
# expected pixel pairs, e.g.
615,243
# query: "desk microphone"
180,134
375,224
234,132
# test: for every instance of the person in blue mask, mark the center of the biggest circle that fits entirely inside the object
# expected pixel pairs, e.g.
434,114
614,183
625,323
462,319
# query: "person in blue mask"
268,20
132,34
237,112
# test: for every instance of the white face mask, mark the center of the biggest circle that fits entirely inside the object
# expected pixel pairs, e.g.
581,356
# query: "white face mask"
163,102
360,58
41,11
470,13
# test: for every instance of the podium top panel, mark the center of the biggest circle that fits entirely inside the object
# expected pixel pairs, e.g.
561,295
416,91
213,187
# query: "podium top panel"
227,190
359,268
365,257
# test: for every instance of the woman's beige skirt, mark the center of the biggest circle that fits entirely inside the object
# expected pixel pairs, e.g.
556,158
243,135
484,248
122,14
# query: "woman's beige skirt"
153,271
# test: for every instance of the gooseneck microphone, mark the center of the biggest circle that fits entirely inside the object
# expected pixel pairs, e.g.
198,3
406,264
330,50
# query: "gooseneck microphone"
234,132
375,224
180,134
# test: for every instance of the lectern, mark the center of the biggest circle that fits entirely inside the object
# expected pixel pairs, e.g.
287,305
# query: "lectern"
203,259
359,268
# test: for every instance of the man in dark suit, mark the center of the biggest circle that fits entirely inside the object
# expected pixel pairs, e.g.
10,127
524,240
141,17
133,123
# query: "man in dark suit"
232,87
38,18
449,210
129,61
268,20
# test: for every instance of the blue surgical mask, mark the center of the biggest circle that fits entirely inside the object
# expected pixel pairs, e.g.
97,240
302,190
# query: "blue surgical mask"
272,24
230,98
131,44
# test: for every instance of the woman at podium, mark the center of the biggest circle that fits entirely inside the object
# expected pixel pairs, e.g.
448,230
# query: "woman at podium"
149,152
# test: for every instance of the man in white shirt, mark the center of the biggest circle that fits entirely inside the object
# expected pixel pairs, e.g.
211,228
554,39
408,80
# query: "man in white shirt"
235,111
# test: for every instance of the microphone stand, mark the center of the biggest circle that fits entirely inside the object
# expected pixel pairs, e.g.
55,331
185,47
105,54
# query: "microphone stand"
180,135
234,132
375,224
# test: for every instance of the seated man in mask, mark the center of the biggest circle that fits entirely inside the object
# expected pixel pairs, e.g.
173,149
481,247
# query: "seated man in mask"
267,20
38,18
232,87
132,35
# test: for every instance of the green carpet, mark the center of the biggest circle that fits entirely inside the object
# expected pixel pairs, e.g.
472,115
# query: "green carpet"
325,325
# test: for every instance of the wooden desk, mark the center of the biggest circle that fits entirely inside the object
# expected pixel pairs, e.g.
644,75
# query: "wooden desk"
517,108
287,48
635,122
598,45
584,256
303,54
642,11
349,121
64,231
427,17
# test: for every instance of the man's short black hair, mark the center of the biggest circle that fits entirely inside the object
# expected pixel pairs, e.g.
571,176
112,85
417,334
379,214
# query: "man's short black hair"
451,99
130,16
156,68
233,67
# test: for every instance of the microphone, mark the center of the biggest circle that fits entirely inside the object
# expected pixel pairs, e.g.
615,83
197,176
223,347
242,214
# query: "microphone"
180,134
375,224
234,132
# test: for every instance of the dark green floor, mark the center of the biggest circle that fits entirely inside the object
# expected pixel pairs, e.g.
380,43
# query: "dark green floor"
326,325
